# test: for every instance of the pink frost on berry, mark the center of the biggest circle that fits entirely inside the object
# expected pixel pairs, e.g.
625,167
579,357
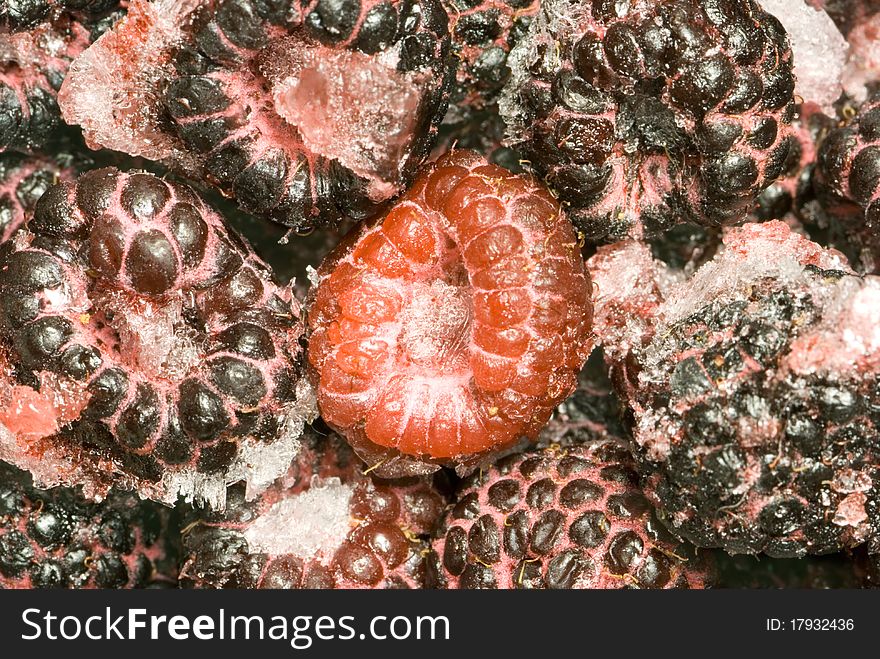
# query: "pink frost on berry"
160,349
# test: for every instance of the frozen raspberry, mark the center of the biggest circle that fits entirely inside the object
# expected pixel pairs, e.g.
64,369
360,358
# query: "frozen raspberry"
646,113
754,385
452,327
146,345
558,518
55,538
23,180
303,112
325,525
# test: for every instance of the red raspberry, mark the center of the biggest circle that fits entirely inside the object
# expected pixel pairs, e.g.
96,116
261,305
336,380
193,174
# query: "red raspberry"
145,343
559,518
455,325
303,112
325,525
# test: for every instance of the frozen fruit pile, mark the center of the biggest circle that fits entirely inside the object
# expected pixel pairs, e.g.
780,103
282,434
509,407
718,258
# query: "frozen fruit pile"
439,293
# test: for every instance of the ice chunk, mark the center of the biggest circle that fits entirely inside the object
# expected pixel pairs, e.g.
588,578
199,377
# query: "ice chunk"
819,49
153,334
110,89
864,61
628,285
312,524
355,108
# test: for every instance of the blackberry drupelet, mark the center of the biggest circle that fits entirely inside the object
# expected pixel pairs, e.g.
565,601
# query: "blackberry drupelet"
645,113
23,180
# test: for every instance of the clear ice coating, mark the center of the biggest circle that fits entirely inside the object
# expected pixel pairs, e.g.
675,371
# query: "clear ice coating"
309,525
820,51
864,61
110,88
348,106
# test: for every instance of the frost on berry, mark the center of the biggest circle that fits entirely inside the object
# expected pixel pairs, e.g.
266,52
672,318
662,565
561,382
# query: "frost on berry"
754,384
648,113
561,517
324,525
145,345
32,66
454,325
820,52
23,180
56,539
303,112
846,183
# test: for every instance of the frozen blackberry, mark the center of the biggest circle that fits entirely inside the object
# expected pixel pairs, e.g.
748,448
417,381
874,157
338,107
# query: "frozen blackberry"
645,113
558,518
791,190
325,525
846,183
451,328
32,67
21,15
23,180
483,33
754,385
303,112
56,539
145,344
